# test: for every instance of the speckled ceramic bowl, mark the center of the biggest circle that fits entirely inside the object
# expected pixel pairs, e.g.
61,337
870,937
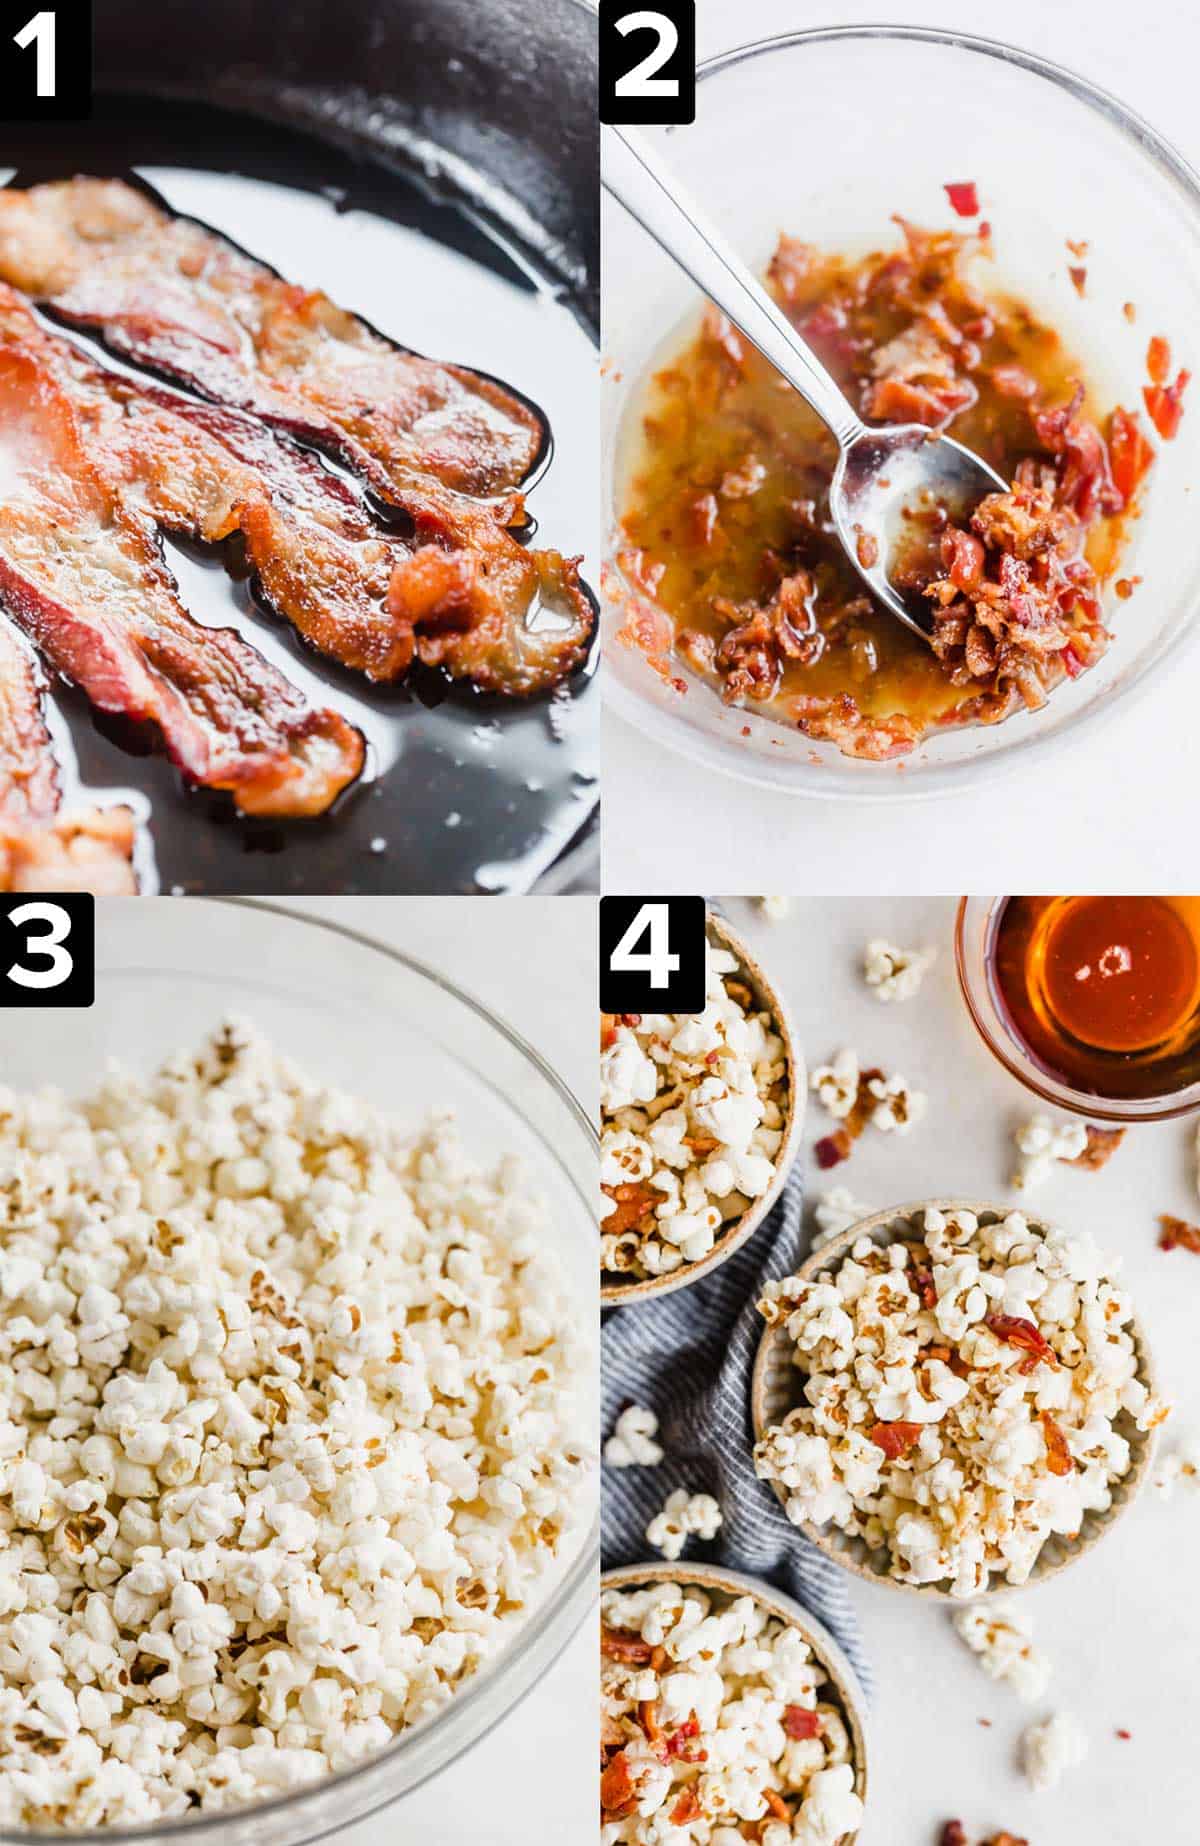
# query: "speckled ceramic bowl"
842,1688
775,1390
615,1292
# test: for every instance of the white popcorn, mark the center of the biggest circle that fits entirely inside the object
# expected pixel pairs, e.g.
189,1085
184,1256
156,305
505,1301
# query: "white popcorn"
287,1433
729,1701
896,1106
683,1516
1050,1748
1042,1143
693,1113
836,1084
966,1397
1177,1467
1001,1635
895,974
835,1211
632,1443
775,909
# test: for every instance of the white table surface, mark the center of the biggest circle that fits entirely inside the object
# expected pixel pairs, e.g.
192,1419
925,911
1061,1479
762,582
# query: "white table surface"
665,832
532,1781
1123,1628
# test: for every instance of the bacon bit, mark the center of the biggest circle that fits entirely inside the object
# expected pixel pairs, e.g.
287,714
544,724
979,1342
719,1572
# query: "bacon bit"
1015,1331
701,1144
609,1023
1178,1234
1058,1455
1125,586
985,1722
831,1149
1005,1839
776,1804
1072,663
964,197
1125,1736
923,1284
680,1737
1130,312
801,1723
867,550
1129,452
953,1834
985,230
634,1200
1079,278
648,1719
622,1644
1164,402
1076,249
895,1439
686,1809
1158,360
616,1785
1014,381
1102,1144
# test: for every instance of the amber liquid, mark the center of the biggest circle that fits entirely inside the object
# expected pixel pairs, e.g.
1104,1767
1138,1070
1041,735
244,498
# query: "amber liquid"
1102,992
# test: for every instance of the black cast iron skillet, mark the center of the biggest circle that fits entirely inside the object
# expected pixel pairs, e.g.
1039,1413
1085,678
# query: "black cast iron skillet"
475,121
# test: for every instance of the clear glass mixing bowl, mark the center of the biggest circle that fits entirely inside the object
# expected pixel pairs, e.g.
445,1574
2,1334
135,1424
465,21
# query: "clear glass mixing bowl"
358,1014
825,134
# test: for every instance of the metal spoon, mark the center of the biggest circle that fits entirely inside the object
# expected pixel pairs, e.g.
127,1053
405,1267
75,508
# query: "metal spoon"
883,471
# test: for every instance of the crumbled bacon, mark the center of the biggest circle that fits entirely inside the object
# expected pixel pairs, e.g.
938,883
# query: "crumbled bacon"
1058,1455
1178,1234
800,1723
1164,405
1102,1144
617,1786
1085,483
830,1150
896,1439
751,657
1015,1330
623,1644
1130,454
1158,360
953,1834
964,197
1078,275
776,1804
687,1808
635,1200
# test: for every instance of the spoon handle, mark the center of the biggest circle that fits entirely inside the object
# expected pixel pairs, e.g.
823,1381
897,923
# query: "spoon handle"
632,172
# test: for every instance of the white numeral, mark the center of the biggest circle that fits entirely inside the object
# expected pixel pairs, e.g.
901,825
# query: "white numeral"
641,80
50,945
40,31
657,961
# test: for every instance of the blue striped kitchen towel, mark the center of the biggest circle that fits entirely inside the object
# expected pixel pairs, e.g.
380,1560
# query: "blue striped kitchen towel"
689,1358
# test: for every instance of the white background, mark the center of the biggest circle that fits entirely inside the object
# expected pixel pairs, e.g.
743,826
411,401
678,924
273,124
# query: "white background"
1111,808
1122,1628
532,1782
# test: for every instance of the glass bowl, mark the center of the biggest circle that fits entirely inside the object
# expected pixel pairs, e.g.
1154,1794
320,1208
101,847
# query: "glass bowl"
818,134
973,932
358,1014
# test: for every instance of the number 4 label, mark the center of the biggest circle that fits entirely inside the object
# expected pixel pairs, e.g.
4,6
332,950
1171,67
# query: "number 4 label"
46,61
647,61
652,954
47,950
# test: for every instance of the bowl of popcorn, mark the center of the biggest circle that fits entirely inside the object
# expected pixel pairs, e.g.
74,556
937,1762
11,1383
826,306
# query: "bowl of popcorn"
295,1495
700,1118
953,1398
727,1713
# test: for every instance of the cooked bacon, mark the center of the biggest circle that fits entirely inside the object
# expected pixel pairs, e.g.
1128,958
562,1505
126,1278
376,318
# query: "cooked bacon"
1129,452
1101,1145
1058,1455
896,1439
800,1723
171,294
686,1809
84,578
764,636
1085,480
623,1644
617,1787
1178,1234
1014,1330
964,197
459,595
634,1201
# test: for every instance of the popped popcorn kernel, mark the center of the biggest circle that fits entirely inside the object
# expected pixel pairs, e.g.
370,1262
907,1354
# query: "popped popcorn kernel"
684,1516
632,1443
895,974
1050,1748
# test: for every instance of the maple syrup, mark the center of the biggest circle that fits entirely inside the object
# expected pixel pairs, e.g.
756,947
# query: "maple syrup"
1102,992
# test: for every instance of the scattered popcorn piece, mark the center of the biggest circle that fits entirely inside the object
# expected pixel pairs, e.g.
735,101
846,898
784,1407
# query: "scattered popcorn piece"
775,909
1042,1143
1001,1635
836,1084
287,1433
897,1107
684,1516
1050,1748
895,974
632,1443
717,1723
835,1212
1177,1466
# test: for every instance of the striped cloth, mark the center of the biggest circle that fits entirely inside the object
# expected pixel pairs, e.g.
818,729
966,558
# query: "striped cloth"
689,1358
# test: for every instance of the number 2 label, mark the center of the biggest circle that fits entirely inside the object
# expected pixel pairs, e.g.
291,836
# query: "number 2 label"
647,62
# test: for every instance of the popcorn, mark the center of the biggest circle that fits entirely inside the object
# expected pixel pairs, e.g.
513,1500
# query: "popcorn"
896,1106
287,1433
836,1084
895,974
835,1212
632,1443
693,1111
775,909
1178,1466
966,1396
713,1723
1042,1143
1001,1635
684,1516
1050,1748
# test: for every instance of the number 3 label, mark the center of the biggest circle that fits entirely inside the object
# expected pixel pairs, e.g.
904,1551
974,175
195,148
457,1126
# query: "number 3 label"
47,950
652,954
647,61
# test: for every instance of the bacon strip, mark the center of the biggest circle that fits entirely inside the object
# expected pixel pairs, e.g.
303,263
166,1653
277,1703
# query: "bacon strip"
83,576
39,849
173,295
458,594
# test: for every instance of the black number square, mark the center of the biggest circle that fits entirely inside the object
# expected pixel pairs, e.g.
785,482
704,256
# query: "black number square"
45,60
647,61
652,954
47,949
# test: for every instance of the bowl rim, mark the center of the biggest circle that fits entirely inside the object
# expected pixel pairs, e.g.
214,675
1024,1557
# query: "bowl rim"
845,1550
556,1615
620,1294
932,781
825,1647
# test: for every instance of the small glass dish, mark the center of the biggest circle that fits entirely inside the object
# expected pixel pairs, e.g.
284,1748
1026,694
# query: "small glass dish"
974,931
358,1014
821,134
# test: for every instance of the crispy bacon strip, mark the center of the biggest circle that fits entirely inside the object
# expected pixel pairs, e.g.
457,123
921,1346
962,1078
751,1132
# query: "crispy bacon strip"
1015,1330
172,294
84,578
896,1439
458,594
39,849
